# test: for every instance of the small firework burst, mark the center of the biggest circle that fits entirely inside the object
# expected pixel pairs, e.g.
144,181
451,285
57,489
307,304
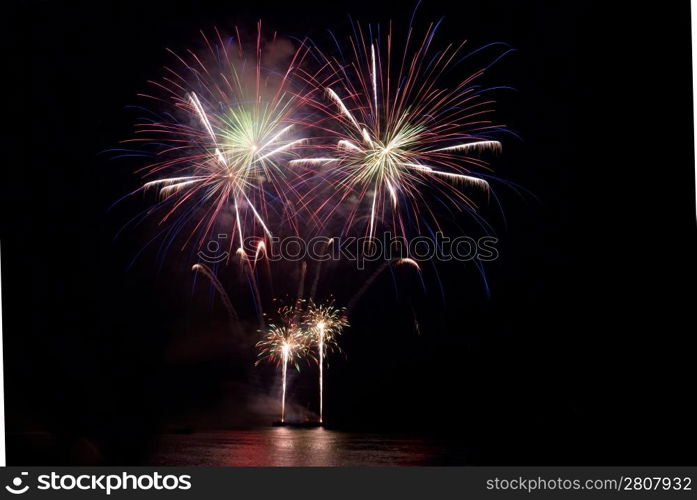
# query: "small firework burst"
284,343
324,324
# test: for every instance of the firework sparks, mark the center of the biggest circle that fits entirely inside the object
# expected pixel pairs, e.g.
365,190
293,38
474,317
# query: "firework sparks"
222,147
282,345
398,129
324,324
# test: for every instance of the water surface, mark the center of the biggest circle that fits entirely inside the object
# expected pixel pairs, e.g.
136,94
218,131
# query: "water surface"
282,446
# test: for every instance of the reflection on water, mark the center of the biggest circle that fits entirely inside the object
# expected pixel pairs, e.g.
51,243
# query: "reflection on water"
281,446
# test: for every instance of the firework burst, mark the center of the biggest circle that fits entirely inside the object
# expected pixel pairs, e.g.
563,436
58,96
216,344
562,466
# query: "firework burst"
397,128
223,141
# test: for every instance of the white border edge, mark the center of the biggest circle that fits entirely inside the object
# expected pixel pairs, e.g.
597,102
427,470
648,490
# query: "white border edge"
3,458
693,19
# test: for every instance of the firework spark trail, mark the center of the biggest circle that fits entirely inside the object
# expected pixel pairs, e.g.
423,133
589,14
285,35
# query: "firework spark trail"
286,353
205,270
318,272
301,282
261,249
251,277
320,333
366,285
392,142
324,323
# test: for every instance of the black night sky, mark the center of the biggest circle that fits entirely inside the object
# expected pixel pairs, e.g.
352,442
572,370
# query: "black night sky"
582,354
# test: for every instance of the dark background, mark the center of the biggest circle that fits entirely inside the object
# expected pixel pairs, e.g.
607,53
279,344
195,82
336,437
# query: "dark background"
583,353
